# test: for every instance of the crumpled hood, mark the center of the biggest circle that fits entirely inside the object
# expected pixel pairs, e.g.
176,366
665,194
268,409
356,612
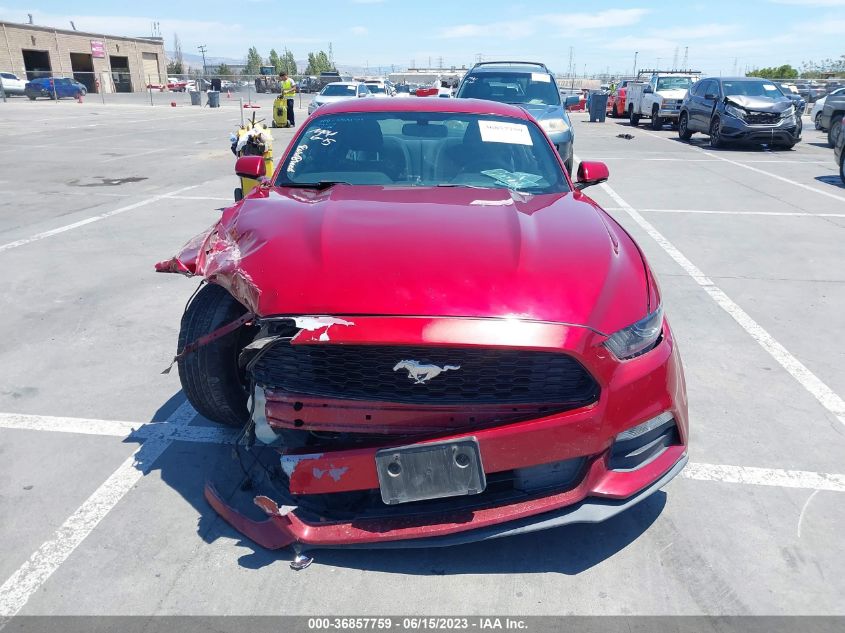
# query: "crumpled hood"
760,104
354,250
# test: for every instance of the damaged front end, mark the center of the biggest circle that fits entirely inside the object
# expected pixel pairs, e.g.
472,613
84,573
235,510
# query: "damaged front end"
419,432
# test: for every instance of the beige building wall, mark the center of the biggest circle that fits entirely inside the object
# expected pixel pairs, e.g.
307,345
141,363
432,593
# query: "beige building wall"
60,44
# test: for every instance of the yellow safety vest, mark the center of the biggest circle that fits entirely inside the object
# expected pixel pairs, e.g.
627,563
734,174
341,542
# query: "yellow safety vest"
288,88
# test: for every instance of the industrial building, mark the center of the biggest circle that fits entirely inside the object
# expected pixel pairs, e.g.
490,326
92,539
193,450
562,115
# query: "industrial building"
109,63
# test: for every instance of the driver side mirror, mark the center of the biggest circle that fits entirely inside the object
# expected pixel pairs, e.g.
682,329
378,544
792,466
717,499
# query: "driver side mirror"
648,90
250,167
591,173
710,97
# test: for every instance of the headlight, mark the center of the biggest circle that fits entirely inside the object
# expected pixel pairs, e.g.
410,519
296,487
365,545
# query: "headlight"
790,111
554,125
739,113
638,338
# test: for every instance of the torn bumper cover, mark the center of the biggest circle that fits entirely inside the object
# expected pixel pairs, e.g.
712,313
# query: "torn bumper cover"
615,435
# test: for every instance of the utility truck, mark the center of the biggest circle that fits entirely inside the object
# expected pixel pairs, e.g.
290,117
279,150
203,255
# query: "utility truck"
658,95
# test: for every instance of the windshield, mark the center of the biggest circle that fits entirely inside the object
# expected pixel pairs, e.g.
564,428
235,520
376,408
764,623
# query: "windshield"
673,83
377,90
339,90
424,149
511,87
754,88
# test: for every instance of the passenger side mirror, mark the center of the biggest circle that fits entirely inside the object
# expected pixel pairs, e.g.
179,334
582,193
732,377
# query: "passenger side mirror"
591,173
710,96
648,90
250,167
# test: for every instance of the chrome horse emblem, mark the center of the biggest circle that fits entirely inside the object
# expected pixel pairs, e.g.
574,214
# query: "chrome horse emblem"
420,373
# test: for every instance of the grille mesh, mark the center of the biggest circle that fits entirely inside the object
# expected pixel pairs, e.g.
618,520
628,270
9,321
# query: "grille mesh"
486,376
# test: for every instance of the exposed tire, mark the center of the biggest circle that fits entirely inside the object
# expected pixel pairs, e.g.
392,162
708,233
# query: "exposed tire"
210,376
656,121
716,133
834,131
633,119
818,121
32,98
684,132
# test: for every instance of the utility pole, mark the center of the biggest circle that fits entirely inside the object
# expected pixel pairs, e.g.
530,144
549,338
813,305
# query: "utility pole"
635,63
569,70
685,63
202,48
440,62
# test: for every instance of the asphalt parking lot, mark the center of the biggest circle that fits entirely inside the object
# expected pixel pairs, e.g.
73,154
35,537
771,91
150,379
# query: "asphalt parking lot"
102,462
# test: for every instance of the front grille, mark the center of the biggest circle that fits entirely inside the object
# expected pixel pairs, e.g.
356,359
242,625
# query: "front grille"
486,376
762,118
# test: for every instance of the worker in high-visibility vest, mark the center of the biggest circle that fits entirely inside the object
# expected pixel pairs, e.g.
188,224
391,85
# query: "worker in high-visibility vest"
288,91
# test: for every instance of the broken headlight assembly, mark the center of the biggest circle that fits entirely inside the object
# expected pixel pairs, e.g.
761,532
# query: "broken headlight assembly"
735,111
790,111
638,338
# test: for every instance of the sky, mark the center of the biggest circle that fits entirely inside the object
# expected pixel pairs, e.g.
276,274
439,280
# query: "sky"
723,36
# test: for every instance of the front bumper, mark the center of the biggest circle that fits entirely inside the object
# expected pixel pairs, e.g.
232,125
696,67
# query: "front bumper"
785,131
632,392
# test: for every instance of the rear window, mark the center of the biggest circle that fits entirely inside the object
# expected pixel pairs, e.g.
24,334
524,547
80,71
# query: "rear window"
424,149
531,88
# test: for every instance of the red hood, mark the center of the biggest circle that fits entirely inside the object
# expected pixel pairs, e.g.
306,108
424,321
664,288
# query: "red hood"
353,250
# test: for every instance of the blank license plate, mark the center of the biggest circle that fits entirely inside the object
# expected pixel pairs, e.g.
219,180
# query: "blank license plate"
430,471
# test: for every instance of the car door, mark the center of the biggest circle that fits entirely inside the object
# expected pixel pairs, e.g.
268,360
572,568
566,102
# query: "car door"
704,105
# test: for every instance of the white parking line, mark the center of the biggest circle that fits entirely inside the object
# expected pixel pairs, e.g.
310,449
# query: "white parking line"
807,379
96,218
799,214
765,477
138,155
21,585
763,172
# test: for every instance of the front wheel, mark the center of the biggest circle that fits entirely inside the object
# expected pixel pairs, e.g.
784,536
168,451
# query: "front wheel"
684,132
834,131
716,133
818,121
210,376
633,119
656,121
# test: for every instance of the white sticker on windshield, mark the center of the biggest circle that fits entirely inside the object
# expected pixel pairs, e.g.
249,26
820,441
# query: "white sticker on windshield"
541,77
769,87
499,132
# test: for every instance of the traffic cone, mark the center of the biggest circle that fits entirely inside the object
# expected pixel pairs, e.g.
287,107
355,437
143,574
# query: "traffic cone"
172,104
228,94
79,98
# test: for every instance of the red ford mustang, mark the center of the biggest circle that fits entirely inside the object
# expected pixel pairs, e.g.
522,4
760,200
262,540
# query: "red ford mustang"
442,337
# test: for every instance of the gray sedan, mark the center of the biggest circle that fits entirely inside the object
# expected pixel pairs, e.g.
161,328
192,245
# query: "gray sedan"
339,91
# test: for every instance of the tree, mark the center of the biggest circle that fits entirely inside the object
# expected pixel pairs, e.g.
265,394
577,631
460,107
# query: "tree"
318,63
288,63
223,71
825,68
176,66
253,62
781,72
275,61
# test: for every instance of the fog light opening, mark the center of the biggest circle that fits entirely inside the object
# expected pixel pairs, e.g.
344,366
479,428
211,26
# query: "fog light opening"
641,444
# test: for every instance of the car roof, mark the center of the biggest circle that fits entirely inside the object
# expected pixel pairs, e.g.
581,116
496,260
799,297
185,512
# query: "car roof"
423,104
499,66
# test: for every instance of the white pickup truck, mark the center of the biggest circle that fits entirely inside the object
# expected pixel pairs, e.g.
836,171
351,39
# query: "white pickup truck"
659,98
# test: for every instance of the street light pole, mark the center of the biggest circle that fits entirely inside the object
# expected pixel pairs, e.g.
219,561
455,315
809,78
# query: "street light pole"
635,63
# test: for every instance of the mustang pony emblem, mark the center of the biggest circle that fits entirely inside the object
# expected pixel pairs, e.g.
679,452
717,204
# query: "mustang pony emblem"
420,373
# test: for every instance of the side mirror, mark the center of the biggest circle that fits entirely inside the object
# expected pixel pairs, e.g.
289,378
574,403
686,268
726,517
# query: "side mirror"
250,167
591,173
710,97
571,100
648,90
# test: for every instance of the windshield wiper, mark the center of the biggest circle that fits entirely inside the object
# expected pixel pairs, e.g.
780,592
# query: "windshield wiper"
319,185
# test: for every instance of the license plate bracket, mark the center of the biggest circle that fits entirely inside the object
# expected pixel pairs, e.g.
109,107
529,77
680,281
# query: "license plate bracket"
433,470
